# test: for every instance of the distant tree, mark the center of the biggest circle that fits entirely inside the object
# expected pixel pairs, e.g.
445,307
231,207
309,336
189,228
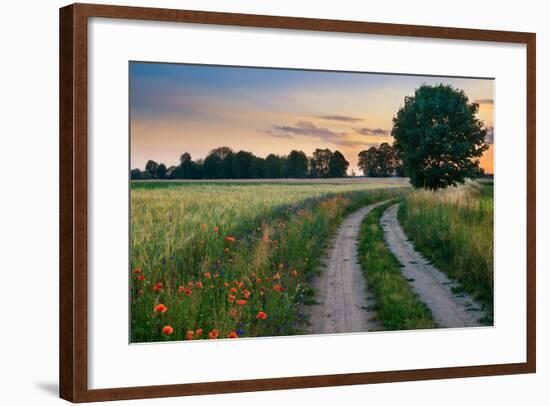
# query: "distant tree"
337,166
151,168
439,137
187,169
368,162
135,174
242,163
257,168
320,163
160,172
273,167
212,166
227,165
296,164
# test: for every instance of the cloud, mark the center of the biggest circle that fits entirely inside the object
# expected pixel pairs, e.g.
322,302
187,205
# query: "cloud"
372,131
485,101
490,136
345,119
308,129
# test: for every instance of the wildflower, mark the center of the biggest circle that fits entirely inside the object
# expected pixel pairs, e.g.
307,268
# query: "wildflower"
185,290
246,293
212,286
294,273
226,250
239,331
278,288
233,290
160,308
231,298
137,270
190,284
190,334
207,275
140,278
261,315
157,287
241,302
198,285
265,238
198,333
216,229
229,239
258,280
233,334
233,313
226,284
203,227
281,266
167,330
277,276
213,334
262,291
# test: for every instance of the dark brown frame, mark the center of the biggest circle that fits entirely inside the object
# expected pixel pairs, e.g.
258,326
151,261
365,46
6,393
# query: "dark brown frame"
73,201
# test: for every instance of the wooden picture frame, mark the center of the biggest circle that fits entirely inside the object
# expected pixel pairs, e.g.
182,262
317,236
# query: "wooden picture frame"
73,200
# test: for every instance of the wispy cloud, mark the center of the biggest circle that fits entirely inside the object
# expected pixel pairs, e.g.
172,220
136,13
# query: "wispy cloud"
485,101
372,131
345,119
308,129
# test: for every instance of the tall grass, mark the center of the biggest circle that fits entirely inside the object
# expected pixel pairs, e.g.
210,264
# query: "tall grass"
229,260
454,229
397,306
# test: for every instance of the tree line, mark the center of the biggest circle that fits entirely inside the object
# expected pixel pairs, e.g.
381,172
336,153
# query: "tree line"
224,163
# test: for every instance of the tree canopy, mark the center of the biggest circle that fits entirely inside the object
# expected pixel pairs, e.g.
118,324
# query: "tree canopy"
224,163
438,137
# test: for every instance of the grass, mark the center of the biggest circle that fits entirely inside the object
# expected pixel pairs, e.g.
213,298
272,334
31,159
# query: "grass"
230,260
397,306
454,229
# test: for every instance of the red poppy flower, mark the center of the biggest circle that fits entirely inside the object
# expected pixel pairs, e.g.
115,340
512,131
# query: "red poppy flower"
167,330
157,287
265,238
198,285
137,270
216,229
190,334
229,239
233,334
258,280
160,308
246,294
231,298
278,288
277,276
198,332
213,334
261,315
203,227
233,290
294,273
207,275
140,278
241,302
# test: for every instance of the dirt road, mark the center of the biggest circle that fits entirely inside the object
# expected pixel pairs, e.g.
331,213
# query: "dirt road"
341,291
432,285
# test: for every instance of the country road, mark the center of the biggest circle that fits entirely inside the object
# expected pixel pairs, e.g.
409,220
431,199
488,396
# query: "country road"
341,290
432,286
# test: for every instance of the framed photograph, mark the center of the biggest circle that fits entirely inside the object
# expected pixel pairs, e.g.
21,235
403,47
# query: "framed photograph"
255,202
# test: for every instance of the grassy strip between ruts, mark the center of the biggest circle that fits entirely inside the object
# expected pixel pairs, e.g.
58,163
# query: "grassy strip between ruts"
397,306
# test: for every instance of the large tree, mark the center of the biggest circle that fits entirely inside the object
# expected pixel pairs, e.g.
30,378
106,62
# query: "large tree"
439,137
337,165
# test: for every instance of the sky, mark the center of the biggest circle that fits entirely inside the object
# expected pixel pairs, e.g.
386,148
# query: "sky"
176,108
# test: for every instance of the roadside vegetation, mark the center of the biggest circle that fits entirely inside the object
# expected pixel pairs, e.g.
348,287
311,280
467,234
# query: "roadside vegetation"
454,229
397,306
230,260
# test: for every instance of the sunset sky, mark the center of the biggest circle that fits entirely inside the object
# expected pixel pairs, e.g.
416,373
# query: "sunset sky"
176,108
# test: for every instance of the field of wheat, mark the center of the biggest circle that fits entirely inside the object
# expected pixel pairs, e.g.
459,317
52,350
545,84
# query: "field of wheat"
230,260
